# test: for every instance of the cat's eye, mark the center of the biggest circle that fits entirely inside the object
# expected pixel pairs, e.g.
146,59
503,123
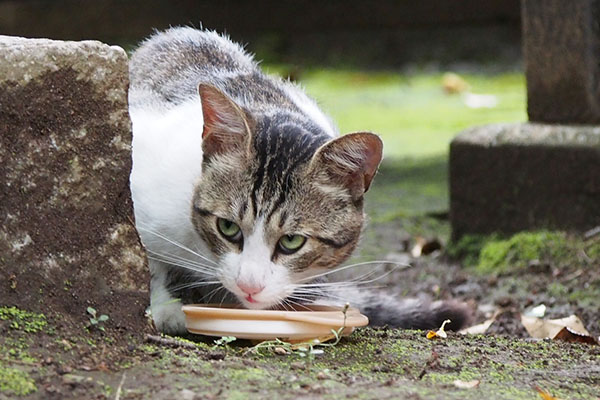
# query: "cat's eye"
229,229
289,244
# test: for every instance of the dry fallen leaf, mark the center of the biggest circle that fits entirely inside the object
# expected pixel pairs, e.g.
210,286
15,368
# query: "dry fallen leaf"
569,335
425,246
545,395
441,333
453,83
481,328
466,384
548,328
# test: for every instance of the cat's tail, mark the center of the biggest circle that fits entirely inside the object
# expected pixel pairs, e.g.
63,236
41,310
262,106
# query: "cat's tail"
406,313
417,313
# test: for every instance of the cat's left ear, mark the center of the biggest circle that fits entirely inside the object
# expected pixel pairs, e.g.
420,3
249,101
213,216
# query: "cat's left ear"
351,160
226,125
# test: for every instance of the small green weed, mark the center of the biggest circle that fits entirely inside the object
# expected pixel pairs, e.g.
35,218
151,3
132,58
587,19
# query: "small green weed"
224,341
303,349
96,321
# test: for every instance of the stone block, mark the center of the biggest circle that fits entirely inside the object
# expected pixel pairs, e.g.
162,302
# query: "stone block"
511,177
67,238
561,46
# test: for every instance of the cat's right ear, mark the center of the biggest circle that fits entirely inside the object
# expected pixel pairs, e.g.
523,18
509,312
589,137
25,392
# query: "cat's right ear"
226,125
351,160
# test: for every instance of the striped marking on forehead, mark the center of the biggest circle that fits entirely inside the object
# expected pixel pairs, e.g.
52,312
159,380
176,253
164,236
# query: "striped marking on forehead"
281,146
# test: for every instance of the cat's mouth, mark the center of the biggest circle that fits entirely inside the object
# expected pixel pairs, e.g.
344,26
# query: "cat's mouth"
250,299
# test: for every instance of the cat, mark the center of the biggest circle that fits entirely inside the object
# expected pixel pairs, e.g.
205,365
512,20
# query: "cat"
243,190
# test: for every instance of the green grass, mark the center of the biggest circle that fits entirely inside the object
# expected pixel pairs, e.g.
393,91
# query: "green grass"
412,113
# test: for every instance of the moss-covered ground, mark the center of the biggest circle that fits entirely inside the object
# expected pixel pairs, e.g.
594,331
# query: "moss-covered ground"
373,363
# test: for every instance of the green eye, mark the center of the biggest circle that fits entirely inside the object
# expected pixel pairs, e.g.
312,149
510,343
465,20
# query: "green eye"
289,244
229,229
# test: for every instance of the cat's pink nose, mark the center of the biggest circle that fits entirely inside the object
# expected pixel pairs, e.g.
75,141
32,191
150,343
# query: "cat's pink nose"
250,289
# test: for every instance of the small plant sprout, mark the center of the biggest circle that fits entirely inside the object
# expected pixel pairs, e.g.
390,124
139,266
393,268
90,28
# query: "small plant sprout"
303,349
224,341
96,321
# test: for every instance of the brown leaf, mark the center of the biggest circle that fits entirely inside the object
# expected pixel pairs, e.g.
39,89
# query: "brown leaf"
425,246
545,395
453,83
571,336
549,328
481,328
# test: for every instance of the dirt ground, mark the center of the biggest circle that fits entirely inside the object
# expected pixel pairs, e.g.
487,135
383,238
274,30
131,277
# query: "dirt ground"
48,356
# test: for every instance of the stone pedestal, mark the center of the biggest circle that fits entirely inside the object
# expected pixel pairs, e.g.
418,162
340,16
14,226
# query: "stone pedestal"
512,177
67,238
561,45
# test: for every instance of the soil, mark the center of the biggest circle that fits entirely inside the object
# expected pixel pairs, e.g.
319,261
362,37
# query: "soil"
52,357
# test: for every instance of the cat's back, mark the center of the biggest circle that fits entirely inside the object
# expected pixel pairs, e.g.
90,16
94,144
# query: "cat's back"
166,68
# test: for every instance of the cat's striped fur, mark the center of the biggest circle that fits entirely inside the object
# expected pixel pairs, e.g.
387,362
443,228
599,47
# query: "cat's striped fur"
216,140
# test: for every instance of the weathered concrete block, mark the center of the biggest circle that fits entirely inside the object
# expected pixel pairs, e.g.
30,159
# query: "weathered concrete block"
561,45
67,238
511,177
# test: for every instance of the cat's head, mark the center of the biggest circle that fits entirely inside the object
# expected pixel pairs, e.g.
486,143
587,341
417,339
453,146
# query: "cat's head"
277,203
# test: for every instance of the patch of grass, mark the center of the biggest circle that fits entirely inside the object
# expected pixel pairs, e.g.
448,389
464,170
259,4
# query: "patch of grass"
13,381
411,111
23,320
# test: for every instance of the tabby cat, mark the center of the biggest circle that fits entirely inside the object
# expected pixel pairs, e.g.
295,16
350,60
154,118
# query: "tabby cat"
243,190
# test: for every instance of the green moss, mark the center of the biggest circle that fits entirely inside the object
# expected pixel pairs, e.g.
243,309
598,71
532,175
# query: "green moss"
247,374
17,349
517,251
496,254
468,248
23,320
16,382
592,250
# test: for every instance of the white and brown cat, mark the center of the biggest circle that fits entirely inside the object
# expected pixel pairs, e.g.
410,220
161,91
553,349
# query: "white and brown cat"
243,190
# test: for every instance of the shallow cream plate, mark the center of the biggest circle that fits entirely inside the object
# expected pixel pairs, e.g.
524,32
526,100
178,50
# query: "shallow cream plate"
307,322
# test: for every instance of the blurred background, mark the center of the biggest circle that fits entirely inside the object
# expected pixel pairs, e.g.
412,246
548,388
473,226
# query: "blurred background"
415,72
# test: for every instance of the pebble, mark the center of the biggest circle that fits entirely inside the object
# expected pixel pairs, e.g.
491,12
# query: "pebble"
186,394
75,380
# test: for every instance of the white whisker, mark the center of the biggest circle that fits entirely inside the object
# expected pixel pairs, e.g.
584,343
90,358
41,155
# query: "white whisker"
161,236
183,259
186,266
342,268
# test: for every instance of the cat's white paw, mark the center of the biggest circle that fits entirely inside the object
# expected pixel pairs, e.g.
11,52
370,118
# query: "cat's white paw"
168,318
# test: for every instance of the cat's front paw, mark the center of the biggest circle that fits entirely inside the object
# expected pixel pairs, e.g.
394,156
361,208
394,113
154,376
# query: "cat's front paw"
169,318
